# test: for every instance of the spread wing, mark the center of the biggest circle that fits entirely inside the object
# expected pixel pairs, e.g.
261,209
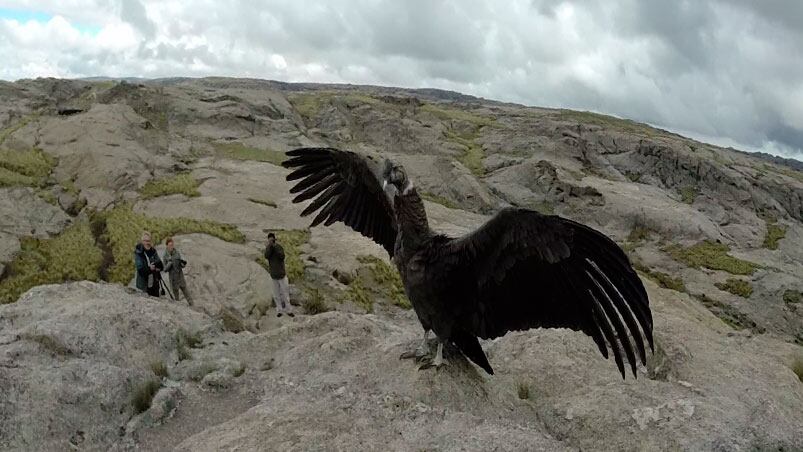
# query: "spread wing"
346,187
526,270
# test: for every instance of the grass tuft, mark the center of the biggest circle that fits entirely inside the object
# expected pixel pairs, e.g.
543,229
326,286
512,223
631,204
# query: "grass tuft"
182,183
711,255
377,278
124,228
70,256
240,151
736,286
314,303
446,202
159,369
143,395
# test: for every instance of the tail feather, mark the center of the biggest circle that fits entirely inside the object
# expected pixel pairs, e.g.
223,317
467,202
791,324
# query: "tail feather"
470,346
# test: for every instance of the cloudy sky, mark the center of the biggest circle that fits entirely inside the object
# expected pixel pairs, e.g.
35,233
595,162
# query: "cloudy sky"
728,72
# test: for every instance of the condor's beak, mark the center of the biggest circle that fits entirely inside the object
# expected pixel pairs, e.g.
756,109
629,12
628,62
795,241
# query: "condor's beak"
384,183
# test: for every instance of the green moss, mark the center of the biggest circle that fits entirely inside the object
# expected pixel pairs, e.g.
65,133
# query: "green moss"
711,255
662,279
688,193
28,168
448,113
774,234
792,296
182,183
143,395
70,256
159,368
124,228
473,153
47,196
439,200
240,151
729,315
264,202
736,286
314,303
523,390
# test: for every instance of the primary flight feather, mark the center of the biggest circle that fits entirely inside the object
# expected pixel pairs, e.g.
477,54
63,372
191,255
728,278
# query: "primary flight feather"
520,270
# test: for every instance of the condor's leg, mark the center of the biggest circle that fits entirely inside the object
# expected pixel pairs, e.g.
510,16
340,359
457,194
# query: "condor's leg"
421,351
435,361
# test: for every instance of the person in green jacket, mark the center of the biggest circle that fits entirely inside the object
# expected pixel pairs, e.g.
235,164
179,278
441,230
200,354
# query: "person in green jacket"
174,266
274,254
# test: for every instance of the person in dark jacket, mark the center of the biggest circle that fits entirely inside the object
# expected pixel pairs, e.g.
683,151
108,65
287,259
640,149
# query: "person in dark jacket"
274,254
148,266
174,266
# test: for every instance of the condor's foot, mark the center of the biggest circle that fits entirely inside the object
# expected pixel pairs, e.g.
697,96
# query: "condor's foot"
434,361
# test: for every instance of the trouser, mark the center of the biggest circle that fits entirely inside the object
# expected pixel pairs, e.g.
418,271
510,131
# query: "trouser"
281,294
154,289
180,283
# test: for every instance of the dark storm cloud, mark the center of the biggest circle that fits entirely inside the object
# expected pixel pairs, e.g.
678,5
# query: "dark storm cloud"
724,69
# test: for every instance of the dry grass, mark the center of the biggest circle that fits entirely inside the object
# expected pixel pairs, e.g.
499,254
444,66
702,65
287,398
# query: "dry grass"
240,151
70,256
184,341
124,228
159,369
314,303
711,255
736,286
182,183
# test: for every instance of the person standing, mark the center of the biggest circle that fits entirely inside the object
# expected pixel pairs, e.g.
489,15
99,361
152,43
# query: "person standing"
274,254
174,266
148,266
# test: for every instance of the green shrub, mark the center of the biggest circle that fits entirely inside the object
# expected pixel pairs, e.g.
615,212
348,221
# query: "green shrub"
182,183
70,256
711,255
240,151
124,229
736,286
143,395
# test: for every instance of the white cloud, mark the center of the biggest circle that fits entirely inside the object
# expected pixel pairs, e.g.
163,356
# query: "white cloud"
730,69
